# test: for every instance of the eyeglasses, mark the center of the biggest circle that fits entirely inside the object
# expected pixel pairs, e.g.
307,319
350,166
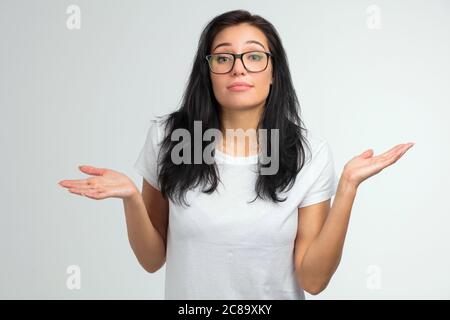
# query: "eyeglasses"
253,61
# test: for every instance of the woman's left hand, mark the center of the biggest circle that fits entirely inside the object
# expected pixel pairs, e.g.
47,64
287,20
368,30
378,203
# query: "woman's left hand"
365,165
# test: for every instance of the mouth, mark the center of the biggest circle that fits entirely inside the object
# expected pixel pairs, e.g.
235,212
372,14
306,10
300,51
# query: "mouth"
240,86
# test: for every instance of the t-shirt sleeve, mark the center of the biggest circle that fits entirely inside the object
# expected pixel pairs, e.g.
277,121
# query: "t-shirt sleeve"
147,162
323,176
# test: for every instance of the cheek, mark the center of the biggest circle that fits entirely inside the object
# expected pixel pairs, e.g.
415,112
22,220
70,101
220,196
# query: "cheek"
218,84
263,83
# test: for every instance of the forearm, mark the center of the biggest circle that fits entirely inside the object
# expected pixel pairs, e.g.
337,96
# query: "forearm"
323,256
145,240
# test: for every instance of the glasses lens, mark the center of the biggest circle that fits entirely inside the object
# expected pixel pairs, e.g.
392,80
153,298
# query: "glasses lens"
255,61
221,62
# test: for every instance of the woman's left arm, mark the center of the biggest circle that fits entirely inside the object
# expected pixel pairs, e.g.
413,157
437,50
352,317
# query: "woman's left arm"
318,255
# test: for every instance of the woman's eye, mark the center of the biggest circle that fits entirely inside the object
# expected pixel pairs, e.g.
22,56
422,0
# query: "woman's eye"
221,59
256,57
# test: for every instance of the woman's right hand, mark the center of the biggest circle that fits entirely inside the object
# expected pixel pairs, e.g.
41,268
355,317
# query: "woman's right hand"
104,183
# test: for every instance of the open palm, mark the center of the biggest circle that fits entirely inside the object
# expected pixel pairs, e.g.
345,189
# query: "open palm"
366,165
104,183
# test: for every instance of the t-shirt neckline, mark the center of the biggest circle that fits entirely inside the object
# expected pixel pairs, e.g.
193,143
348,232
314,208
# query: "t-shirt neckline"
226,158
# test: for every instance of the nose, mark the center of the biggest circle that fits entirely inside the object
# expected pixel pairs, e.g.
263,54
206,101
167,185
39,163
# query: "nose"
238,67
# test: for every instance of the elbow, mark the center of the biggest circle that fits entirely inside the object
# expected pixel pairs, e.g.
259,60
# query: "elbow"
315,290
314,286
314,283
152,268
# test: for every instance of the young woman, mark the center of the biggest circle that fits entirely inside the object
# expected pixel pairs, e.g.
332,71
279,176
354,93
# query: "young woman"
226,230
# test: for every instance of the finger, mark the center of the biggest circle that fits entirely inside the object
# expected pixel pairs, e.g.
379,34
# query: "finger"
396,155
367,154
90,194
96,195
391,151
407,147
81,191
399,148
92,170
77,191
73,183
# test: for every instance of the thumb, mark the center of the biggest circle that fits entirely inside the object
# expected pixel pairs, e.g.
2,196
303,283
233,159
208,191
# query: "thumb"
367,154
92,170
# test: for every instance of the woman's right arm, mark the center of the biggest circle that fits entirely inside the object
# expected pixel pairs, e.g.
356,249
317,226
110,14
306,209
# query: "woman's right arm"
146,219
146,214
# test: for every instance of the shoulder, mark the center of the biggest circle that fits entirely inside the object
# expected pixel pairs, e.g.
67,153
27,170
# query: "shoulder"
317,146
159,122
157,128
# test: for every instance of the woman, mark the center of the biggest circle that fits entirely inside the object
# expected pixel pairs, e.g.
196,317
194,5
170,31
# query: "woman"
235,232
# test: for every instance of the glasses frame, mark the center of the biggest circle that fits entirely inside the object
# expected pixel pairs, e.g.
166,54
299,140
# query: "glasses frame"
238,56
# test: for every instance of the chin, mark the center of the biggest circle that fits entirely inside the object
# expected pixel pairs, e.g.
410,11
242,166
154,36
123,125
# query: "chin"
240,102
239,105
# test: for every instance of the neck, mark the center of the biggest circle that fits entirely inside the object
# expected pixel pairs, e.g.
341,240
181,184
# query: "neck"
244,119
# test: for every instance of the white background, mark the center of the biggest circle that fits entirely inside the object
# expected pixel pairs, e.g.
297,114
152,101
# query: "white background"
72,97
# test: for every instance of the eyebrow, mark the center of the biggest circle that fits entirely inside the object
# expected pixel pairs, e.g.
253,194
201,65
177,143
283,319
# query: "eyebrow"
229,44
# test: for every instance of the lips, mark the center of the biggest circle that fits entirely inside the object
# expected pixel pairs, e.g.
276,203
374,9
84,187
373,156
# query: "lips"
240,84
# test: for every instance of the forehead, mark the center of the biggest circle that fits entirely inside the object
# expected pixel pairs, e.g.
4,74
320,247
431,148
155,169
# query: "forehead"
239,35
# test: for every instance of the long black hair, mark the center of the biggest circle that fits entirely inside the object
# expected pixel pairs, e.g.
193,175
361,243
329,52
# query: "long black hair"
281,112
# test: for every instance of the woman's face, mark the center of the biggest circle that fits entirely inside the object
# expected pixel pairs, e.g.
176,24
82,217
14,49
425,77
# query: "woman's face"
238,39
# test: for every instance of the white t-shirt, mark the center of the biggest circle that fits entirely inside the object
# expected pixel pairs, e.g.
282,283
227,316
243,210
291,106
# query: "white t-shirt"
222,247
